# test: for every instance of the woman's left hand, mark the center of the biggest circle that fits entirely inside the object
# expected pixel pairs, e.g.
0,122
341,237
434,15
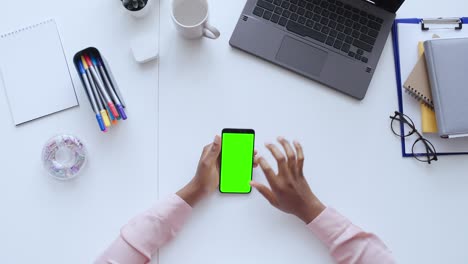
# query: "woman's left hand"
206,179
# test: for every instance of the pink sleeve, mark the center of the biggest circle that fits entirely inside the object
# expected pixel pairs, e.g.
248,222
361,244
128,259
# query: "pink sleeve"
348,243
146,233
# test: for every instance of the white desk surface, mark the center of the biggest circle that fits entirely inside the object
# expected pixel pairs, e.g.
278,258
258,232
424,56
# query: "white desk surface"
353,160
46,221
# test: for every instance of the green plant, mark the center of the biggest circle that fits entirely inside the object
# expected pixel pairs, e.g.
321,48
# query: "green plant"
134,5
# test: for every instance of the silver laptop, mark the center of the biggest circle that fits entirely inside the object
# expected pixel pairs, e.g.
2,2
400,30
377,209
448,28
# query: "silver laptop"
335,42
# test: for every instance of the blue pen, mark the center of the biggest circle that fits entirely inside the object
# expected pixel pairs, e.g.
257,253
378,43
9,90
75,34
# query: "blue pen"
111,116
118,104
91,97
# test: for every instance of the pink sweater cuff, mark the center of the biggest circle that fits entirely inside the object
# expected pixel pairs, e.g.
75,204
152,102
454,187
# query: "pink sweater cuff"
121,252
329,225
149,231
348,243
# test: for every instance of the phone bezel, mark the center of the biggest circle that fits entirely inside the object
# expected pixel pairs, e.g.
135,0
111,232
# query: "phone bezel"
236,131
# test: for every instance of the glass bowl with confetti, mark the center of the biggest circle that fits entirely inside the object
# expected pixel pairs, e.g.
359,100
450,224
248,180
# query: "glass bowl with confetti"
64,157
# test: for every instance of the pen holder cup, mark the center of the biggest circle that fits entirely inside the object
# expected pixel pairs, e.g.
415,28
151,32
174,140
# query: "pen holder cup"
101,89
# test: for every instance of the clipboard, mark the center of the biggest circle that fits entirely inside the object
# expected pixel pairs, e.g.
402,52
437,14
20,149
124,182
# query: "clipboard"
406,34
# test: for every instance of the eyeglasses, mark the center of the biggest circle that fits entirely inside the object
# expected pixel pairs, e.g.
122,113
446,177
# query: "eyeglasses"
403,127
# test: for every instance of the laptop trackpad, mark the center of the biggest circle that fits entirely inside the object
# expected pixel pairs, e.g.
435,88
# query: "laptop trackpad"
301,56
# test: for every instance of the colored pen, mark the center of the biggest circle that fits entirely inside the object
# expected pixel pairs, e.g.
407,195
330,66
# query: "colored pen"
101,108
108,112
91,97
105,113
100,65
113,118
100,86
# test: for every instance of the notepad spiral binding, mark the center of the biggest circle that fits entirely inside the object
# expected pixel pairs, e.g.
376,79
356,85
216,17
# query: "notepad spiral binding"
419,97
26,28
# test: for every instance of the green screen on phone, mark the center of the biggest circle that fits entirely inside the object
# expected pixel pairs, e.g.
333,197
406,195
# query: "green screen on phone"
237,152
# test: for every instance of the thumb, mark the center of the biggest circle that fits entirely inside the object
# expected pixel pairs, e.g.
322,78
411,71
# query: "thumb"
215,149
266,192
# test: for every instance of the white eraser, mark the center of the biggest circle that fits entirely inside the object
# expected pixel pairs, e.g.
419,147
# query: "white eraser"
145,48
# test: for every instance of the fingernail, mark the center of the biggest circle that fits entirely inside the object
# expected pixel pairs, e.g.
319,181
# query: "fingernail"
267,144
280,138
216,140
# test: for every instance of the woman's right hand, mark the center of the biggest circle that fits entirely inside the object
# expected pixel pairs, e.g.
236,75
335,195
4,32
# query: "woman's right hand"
289,190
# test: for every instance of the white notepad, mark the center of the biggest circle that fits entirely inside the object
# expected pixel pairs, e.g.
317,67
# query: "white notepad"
35,73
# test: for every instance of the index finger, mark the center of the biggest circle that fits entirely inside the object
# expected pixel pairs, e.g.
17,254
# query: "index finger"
205,150
280,158
255,162
300,155
289,152
267,170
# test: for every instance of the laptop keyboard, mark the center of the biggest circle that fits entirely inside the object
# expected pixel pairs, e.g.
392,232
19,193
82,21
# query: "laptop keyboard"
345,28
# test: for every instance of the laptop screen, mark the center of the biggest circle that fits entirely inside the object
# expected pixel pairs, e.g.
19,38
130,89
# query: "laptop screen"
389,5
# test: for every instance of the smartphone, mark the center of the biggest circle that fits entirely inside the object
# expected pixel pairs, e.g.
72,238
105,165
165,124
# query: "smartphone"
237,154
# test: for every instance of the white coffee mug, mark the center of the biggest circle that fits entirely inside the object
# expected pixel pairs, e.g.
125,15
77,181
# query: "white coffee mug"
191,19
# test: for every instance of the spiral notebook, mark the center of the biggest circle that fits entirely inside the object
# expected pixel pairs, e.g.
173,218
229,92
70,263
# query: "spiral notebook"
417,84
35,73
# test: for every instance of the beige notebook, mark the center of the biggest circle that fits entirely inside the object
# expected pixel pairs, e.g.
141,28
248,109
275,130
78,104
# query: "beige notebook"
417,84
